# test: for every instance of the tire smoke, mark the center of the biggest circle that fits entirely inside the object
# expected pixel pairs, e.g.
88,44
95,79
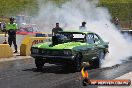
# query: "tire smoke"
70,15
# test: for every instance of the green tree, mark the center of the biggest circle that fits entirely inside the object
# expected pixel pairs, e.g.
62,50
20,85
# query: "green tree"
13,7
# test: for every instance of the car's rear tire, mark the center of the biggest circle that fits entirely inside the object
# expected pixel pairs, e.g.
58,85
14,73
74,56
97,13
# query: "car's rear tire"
102,57
39,63
97,62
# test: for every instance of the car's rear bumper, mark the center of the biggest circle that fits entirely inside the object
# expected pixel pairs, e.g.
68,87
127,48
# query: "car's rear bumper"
54,59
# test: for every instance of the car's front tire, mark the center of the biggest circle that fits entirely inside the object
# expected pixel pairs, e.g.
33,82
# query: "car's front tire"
77,64
39,63
73,66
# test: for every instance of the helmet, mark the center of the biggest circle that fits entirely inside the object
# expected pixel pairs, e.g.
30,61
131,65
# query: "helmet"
12,19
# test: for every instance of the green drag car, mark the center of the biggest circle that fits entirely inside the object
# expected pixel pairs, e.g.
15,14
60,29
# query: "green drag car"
71,50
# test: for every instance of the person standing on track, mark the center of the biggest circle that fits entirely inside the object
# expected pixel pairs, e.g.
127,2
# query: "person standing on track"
54,33
11,29
83,27
56,29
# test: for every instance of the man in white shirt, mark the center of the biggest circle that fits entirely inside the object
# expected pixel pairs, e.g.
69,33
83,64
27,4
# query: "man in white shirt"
83,27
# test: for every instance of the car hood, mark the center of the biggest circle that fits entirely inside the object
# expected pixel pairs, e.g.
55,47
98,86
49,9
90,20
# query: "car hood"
68,45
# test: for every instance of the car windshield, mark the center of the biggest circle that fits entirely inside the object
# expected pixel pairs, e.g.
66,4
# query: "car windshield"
71,37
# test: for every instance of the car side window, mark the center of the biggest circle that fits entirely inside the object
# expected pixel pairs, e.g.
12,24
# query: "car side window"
96,39
90,38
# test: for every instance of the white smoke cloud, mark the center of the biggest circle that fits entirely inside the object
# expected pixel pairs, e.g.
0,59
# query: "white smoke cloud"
73,12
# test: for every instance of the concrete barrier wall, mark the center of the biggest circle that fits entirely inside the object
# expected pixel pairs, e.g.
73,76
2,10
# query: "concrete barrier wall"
28,42
5,51
2,38
19,39
24,43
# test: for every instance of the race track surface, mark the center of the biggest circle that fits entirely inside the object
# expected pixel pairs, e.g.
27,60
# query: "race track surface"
23,74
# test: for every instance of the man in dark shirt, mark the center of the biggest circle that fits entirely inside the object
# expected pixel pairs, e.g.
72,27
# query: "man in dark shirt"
11,29
83,27
56,29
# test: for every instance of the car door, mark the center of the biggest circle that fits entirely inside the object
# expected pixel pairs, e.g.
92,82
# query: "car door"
97,45
90,47
100,45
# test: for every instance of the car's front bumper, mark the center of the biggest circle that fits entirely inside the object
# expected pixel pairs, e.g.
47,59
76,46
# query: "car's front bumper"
54,59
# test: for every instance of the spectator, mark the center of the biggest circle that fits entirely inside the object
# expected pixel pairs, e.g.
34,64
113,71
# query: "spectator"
56,29
83,27
116,21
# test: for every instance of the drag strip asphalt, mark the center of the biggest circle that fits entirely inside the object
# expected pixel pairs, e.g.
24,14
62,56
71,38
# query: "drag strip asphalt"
23,74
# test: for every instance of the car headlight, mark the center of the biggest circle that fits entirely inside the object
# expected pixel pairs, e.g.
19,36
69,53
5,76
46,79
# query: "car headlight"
35,50
67,52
